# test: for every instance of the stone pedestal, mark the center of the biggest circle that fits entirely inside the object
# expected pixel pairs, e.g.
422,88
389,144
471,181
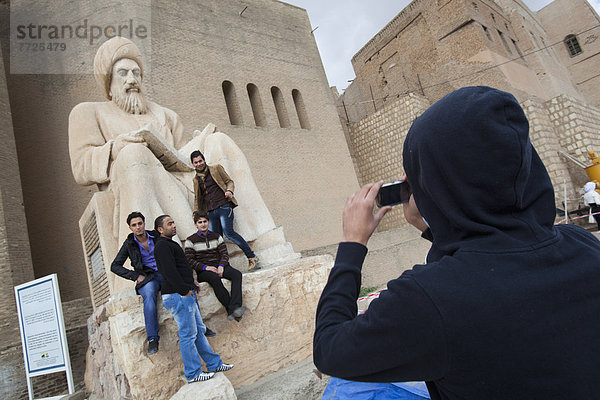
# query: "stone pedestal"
275,332
271,249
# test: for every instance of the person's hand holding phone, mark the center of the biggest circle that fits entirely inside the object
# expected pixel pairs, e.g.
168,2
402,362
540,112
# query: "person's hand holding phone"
359,221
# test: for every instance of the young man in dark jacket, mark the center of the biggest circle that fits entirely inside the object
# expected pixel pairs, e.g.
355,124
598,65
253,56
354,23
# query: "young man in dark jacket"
179,298
139,248
207,253
507,306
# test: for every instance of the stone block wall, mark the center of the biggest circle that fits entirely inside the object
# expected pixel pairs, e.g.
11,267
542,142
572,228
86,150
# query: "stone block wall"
575,17
577,125
544,139
377,141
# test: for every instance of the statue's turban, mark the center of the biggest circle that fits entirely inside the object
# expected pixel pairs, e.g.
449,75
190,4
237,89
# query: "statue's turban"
108,54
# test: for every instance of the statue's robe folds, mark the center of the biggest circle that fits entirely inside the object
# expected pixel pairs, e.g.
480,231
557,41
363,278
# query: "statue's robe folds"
136,178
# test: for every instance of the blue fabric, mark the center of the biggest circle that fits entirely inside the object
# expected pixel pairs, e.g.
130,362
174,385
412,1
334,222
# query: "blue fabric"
339,389
190,328
149,294
147,256
221,222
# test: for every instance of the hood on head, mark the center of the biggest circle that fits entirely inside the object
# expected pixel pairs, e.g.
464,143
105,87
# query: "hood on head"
589,187
476,178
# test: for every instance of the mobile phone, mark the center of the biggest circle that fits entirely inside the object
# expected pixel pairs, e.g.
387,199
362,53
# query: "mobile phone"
393,193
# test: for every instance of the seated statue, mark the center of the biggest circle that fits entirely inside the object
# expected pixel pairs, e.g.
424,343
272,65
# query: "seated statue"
136,150
113,144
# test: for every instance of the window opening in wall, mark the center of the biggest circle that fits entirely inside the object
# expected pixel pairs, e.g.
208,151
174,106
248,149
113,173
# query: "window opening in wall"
282,114
233,108
487,33
544,44
256,104
300,109
493,17
537,45
517,48
504,42
573,46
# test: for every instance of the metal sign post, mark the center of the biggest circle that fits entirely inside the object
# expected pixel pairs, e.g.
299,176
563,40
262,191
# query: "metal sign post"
43,334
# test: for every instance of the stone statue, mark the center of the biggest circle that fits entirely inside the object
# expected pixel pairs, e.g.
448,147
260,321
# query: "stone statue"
136,149
109,146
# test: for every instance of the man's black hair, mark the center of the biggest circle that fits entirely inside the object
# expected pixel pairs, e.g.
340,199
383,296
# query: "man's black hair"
159,221
197,215
135,214
195,154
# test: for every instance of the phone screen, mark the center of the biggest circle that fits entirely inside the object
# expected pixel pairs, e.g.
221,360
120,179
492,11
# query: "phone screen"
393,193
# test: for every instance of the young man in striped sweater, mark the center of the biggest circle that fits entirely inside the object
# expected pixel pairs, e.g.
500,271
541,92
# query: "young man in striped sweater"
207,254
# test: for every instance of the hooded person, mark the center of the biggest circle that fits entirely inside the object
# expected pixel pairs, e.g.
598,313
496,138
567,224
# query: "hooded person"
507,306
108,150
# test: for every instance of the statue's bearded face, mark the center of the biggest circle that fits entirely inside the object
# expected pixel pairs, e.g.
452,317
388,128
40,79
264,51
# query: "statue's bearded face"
126,87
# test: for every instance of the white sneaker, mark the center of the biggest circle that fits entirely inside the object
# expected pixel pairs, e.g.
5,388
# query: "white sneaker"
204,376
224,367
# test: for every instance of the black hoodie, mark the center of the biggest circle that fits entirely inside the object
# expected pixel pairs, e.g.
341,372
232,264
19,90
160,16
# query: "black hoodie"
508,305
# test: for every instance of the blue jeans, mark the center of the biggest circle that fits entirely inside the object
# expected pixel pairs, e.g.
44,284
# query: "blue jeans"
149,293
190,328
221,221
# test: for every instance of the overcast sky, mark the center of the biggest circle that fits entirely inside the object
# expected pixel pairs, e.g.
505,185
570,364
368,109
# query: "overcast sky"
345,26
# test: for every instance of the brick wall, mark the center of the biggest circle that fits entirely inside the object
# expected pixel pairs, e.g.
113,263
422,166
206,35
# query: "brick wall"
433,47
546,143
577,126
576,17
376,143
15,257
12,369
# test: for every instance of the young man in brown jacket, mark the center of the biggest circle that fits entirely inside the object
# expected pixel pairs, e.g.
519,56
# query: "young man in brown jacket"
213,196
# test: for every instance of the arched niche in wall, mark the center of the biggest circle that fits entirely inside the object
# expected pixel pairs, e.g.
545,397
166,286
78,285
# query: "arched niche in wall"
282,114
256,104
300,109
233,107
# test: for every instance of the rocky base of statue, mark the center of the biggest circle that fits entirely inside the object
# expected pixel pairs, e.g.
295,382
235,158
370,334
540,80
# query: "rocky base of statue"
275,332
217,388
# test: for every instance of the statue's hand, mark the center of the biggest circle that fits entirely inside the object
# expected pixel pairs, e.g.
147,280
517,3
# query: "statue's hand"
123,140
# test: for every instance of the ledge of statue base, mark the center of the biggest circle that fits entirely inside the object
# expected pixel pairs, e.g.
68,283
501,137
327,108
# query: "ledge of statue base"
270,248
276,330
217,388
